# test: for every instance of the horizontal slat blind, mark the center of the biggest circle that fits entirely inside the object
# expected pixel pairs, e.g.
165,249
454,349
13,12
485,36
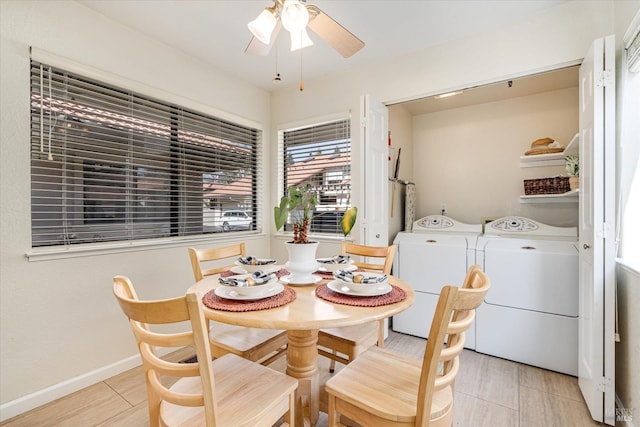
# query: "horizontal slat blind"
111,165
633,54
320,155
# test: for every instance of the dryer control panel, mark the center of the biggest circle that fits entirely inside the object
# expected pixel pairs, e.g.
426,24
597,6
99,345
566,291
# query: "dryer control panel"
518,226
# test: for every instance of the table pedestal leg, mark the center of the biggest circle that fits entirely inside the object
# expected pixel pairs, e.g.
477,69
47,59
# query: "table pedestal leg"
302,363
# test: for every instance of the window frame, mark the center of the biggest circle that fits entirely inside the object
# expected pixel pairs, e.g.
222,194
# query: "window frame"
304,124
65,250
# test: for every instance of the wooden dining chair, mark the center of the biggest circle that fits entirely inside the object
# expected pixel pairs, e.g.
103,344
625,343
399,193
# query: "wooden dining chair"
383,388
258,345
230,391
344,344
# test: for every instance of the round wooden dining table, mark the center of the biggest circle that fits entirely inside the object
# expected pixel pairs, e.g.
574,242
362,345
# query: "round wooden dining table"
302,318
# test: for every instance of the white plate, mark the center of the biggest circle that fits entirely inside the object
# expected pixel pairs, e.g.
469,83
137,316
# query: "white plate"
229,292
287,280
348,289
366,274
331,266
250,268
271,268
347,268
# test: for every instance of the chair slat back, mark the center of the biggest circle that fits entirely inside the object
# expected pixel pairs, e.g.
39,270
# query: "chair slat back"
454,314
141,314
386,253
199,256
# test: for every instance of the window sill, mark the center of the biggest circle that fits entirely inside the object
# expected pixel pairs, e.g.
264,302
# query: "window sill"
330,238
63,252
633,269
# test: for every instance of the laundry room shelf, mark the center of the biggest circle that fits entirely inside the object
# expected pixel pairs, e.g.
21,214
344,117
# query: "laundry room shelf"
568,197
553,159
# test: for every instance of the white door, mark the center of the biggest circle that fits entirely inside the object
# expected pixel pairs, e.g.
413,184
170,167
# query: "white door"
596,229
374,120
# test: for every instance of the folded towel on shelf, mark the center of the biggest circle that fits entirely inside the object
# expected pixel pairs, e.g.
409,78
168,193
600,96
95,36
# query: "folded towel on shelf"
257,278
366,278
251,260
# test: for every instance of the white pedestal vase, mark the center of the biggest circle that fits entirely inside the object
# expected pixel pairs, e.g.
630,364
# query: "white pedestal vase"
302,262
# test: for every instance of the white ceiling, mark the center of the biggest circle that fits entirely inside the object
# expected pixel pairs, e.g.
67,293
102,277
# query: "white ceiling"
530,85
215,31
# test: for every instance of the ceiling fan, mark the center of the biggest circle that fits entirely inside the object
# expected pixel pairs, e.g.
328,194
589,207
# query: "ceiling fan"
296,17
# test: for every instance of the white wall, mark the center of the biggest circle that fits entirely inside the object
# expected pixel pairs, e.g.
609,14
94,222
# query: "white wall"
544,41
469,158
628,349
400,125
59,321
627,17
50,310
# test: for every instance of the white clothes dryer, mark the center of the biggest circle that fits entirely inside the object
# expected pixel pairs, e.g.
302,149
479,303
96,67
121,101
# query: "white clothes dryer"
437,252
530,313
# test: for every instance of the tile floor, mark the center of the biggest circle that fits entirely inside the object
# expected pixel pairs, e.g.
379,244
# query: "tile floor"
489,392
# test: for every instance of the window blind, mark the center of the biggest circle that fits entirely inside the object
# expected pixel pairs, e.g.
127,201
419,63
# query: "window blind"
633,53
320,155
108,164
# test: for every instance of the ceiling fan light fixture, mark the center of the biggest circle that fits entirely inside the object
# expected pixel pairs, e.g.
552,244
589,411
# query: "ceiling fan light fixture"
263,25
294,16
300,40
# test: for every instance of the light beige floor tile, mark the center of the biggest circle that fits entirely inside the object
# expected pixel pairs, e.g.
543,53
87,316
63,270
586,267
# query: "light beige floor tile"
488,378
138,416
550,382
485,389
538,408
469,411
406,344
130,385
86,407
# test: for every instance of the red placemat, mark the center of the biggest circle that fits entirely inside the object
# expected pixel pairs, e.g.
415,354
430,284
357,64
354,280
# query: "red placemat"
213,301
396,295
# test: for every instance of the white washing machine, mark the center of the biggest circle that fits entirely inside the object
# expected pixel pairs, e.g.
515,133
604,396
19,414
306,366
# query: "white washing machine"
530,313
437,252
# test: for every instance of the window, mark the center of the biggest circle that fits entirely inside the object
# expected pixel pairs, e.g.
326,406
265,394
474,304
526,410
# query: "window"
108,164
320,155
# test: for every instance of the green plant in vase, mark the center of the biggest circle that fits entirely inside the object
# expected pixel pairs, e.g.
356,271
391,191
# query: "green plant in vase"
348,220
572,167
301,202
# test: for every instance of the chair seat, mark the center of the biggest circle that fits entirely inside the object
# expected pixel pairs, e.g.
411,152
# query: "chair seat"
244,339
239,402
385,384
364,335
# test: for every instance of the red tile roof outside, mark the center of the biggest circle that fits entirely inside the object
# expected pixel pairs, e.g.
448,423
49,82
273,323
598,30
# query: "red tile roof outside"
298,173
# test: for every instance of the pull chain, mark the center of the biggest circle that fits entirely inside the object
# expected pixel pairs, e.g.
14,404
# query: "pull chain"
301,87
277,78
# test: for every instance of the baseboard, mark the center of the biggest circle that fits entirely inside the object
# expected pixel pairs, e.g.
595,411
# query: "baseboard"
624,416
49,394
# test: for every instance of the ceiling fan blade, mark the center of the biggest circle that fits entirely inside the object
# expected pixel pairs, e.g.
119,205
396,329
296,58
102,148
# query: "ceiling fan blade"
256,47
333,33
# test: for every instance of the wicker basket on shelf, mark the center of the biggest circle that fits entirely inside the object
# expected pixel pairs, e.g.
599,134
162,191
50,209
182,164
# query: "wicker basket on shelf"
553,185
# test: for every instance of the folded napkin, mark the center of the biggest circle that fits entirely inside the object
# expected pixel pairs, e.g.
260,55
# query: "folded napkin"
336,259
351,277
257,278
250,260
